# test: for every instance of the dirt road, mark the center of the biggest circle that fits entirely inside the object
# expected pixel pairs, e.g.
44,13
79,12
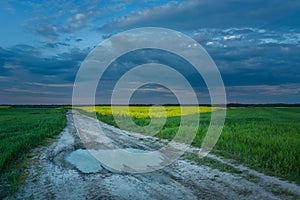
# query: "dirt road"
56,172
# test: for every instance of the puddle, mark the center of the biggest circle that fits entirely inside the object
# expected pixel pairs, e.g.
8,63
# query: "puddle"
84,161
136,150
129,160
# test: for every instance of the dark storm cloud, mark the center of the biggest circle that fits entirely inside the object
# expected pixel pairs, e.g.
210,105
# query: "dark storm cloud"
30,59
132,59
191,15
247,56
28,75
135,58
6,55
253,43
262,64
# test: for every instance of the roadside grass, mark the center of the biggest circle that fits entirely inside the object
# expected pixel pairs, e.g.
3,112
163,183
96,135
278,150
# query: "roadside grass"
21,129
266,139
212,163
284,193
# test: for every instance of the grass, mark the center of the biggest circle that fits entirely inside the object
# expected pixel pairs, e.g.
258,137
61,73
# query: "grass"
284,192
264,139
22,129
212,163
4,106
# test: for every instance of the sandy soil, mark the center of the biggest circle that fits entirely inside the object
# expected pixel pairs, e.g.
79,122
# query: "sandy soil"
50,176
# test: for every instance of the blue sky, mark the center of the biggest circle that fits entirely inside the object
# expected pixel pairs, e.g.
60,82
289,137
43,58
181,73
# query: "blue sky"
255,44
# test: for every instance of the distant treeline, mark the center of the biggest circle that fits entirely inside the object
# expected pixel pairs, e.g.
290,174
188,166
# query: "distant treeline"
263,105
33,106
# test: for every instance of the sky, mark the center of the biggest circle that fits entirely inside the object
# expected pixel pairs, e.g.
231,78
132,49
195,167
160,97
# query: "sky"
255,45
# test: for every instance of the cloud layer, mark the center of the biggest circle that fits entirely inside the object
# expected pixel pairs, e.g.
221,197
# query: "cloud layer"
255,44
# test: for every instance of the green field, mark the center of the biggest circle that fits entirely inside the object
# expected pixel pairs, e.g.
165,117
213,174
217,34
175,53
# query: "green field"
22,129
265,139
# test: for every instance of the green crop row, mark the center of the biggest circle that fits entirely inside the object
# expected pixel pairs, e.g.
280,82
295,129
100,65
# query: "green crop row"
22,129
265,139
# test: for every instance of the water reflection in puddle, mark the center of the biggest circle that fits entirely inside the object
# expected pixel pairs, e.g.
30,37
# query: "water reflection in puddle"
84,161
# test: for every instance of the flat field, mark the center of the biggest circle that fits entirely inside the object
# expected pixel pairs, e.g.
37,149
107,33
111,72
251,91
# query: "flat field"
266,139
22,129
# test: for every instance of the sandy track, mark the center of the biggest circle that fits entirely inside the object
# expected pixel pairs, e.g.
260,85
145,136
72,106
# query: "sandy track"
51,177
